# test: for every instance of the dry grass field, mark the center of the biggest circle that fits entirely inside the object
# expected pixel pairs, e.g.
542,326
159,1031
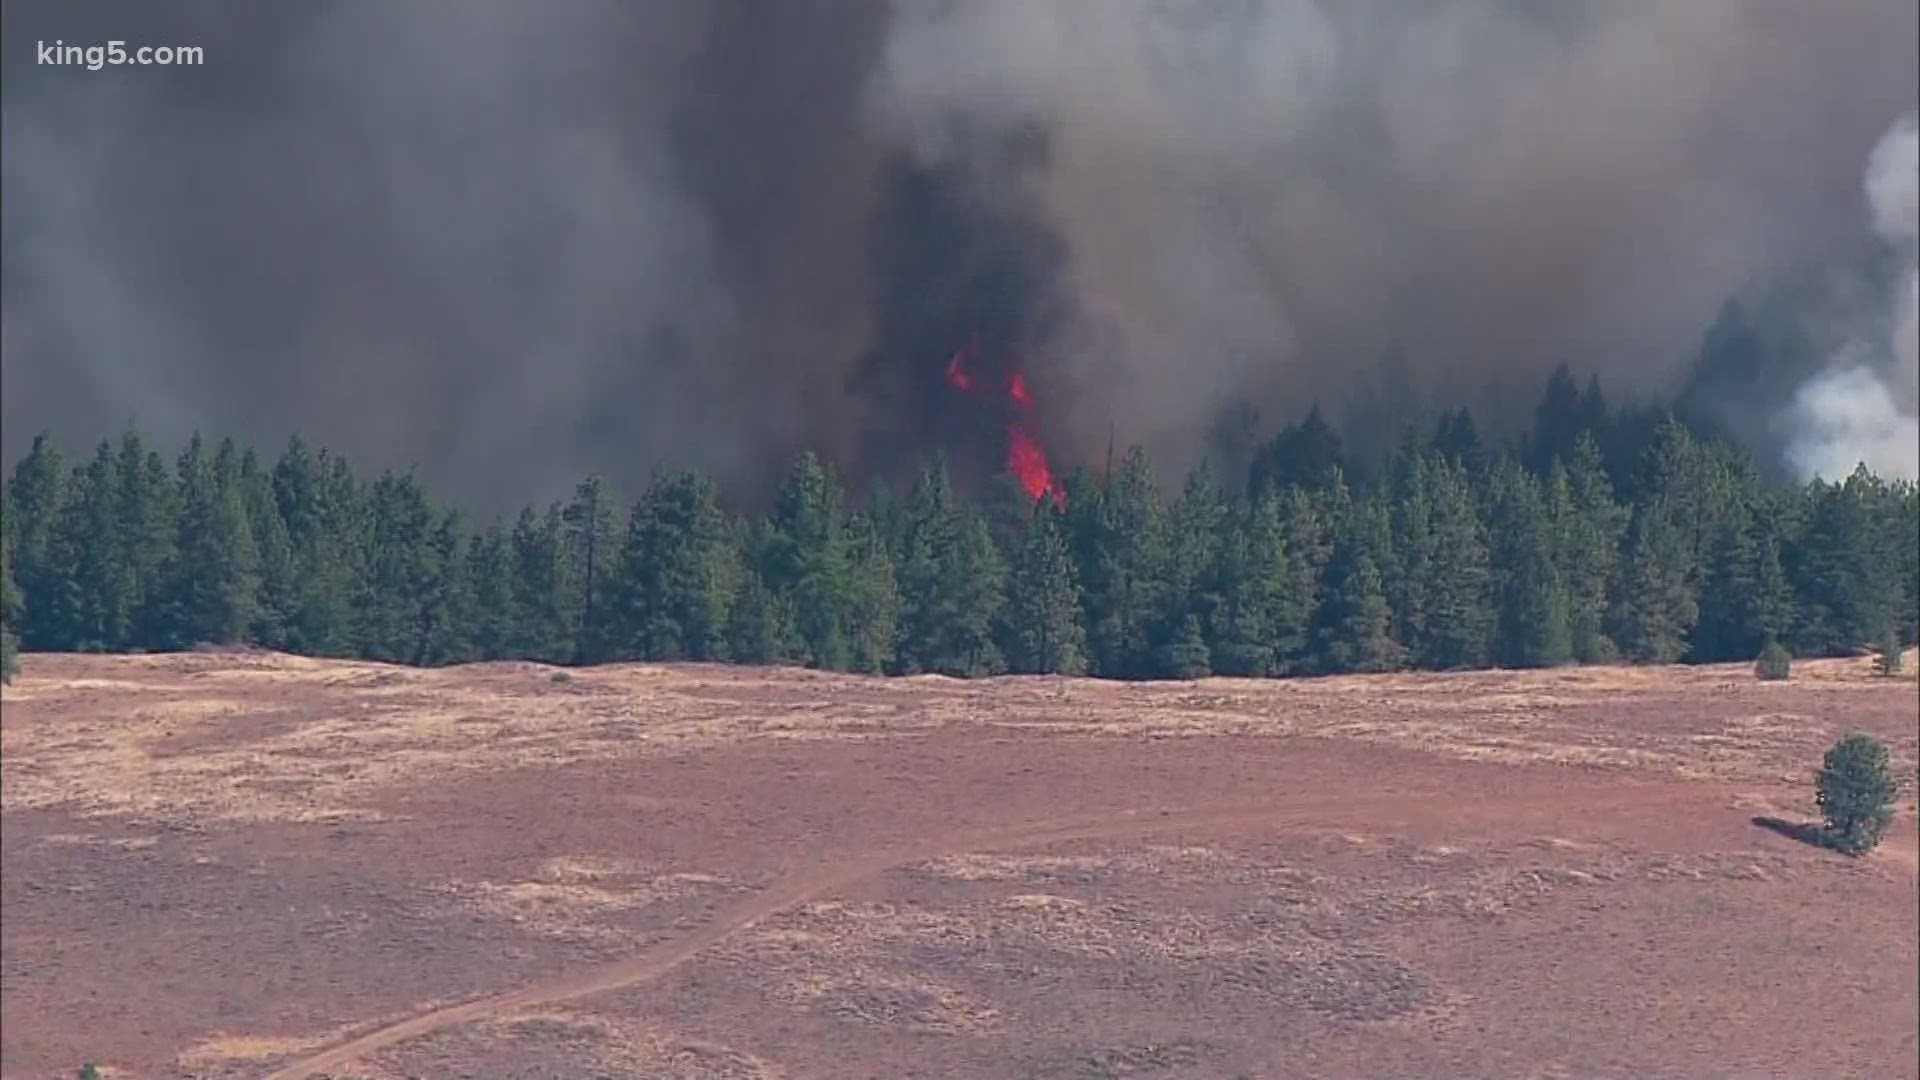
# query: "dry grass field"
225,866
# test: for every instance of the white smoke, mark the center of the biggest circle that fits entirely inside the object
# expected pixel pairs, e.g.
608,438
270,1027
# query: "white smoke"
1865,406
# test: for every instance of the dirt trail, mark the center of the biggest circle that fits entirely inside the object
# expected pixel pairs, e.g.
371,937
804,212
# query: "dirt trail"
822,879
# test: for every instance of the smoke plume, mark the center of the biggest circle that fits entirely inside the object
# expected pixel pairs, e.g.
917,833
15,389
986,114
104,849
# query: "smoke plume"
1865,406
520,242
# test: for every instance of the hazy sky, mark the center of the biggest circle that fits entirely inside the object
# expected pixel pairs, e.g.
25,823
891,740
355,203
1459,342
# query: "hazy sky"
511,242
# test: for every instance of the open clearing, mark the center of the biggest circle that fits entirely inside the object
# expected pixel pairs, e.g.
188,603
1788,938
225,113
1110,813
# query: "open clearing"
225,866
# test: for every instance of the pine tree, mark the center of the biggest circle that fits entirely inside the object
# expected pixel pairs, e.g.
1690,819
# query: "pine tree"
1747,600
279,573
873,599
37,497
323,505
678,575
1355,629
489,607
1306,455
806,562
1189,588
592,542
968,599
148,525
759,626
1845,580
1185,655
10,599
1656,606
92,606
1129,575
926,532
1044,635
542,628
1309,546
213,593
396,605
1251,575
1444,604
1587,528
1533,627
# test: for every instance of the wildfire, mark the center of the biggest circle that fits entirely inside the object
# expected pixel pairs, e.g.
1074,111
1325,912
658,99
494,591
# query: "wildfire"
1026,458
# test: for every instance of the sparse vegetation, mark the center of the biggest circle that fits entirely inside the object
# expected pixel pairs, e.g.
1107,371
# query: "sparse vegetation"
1855,790
1775,662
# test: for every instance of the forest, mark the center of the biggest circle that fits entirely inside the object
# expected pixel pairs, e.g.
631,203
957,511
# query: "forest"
1600,536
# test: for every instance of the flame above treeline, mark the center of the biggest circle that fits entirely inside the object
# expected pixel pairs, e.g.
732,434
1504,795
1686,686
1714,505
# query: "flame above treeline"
1026,458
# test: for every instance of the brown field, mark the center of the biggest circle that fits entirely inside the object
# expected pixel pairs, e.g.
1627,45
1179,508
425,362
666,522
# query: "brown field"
257,865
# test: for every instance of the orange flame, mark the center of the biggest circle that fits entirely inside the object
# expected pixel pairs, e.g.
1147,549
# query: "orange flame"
1026,458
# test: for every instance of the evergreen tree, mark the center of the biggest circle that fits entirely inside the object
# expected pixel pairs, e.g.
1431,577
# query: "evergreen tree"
148,524
759,626
213,593
10,599
1355,629
1252,573
1747,600
1306,455
1309,545
398,603
1587,527
1044,635
1846,583
279,573
592,542
1127,579
678,574
806,563
968,599
1656,607
925,533
1533,628
542,627
1189,588
37,498
489,607
91,608
873,599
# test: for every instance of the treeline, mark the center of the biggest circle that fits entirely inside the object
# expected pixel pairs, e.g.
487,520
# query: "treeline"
1600,537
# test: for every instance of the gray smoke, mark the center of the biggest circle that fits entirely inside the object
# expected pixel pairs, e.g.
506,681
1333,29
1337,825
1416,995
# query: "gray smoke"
515,243
1864,407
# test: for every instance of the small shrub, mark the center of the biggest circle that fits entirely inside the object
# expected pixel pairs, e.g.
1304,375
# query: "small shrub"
89,1071
1855,791
561,677
1775,662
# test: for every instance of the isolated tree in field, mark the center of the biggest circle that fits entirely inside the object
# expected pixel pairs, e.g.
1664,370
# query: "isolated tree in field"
1855,790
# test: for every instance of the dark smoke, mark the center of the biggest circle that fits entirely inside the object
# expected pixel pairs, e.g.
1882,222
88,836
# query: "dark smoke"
512,243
